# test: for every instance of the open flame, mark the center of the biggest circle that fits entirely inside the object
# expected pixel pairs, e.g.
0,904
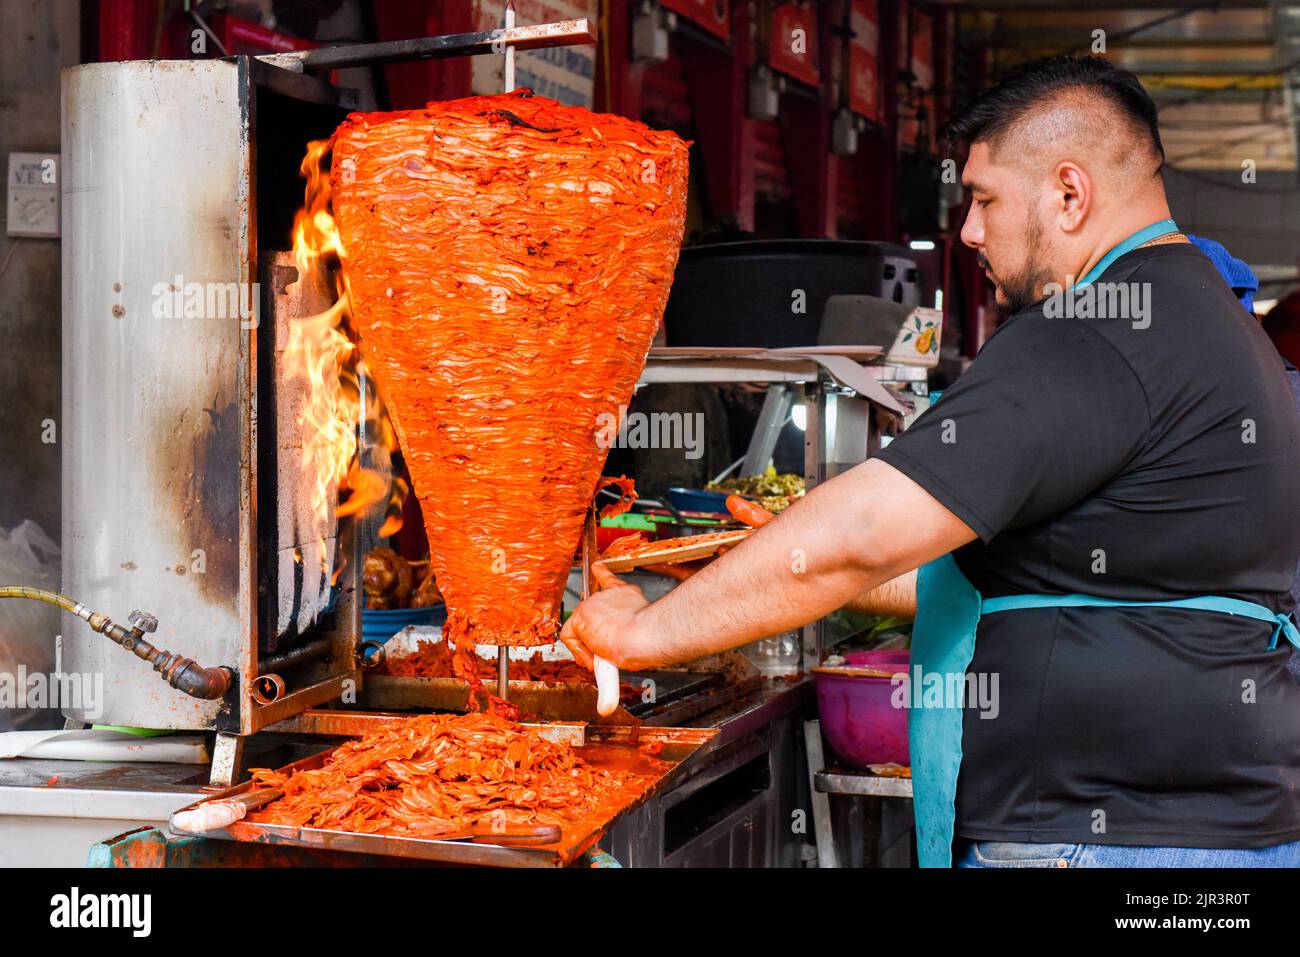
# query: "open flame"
321,351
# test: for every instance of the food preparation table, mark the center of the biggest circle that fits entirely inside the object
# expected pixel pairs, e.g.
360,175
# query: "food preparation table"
47,822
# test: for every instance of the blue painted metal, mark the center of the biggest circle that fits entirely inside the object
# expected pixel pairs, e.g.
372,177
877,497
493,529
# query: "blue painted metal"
154,847
597,858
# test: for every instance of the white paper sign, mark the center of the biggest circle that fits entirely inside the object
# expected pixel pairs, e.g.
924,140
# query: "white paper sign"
565,74
33,208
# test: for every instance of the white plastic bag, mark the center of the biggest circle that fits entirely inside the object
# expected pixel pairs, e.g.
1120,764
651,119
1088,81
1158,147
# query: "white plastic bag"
30,557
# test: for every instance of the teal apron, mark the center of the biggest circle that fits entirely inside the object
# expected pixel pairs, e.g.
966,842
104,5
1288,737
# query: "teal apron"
943,642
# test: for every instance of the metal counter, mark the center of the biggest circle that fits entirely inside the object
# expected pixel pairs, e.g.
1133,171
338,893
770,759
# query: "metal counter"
747,804
52,812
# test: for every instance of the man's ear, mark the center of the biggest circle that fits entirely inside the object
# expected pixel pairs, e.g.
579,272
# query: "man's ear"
1075,189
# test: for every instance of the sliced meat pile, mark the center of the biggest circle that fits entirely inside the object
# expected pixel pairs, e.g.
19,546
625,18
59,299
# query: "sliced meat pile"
437,659
433,659
508,260
436,774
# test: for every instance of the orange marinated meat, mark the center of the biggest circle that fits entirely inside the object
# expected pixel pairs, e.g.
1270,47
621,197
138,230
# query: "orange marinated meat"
436,659
433,659
508,259
639,549
436,774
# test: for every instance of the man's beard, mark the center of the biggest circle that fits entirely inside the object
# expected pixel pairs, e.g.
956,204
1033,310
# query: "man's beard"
1021,290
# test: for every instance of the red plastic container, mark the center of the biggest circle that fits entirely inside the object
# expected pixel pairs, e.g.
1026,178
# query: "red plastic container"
858,716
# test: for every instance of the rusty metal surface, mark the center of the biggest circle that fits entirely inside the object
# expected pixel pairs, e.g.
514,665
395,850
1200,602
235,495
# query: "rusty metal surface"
153,413
308,89
305,548
614,747
329,689
661,687
150,847
160,427
679,696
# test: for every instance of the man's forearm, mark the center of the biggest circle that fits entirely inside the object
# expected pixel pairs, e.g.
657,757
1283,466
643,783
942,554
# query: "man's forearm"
834,545
896,598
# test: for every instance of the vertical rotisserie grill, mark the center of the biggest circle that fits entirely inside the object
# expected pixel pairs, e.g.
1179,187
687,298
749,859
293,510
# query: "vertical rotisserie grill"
186,489
192,483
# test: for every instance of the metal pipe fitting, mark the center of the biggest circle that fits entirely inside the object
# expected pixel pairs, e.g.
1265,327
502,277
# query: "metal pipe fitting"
183,674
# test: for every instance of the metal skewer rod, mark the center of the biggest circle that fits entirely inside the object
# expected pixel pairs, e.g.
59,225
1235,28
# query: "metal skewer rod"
503,651
510,51
589,552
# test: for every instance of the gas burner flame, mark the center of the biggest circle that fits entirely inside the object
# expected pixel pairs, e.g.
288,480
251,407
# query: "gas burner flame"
322,352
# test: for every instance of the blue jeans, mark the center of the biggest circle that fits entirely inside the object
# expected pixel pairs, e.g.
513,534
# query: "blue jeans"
1010,854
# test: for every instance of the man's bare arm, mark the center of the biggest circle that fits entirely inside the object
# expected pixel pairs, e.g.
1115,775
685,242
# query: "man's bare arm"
845,538
896,598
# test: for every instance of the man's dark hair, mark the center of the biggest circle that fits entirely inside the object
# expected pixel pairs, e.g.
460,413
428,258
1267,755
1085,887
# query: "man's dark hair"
995,111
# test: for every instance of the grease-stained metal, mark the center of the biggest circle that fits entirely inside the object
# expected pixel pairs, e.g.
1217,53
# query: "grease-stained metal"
612,747
560,33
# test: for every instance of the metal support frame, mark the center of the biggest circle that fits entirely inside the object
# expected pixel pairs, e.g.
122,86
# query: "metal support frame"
851,439
227,760
821,805
818,446
772,418
872,822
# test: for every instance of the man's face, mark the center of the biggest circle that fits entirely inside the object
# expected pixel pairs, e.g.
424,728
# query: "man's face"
1005,226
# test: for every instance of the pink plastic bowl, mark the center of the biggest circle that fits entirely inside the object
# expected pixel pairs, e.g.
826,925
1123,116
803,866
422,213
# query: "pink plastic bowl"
888,658
858,718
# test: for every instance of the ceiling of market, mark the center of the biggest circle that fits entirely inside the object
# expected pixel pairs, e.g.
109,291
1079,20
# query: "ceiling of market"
1225,74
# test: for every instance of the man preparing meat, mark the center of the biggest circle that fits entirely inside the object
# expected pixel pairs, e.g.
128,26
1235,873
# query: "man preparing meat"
1105,499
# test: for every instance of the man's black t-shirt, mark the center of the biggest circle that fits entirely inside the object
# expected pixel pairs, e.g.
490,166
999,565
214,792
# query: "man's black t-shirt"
1137,459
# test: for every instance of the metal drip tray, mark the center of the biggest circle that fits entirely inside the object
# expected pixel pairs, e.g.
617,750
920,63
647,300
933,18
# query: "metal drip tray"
614,748
664,696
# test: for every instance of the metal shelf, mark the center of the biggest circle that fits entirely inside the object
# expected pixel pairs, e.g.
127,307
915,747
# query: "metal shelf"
861,784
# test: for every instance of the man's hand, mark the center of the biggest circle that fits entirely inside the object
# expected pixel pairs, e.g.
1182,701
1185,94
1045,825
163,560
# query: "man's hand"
608,624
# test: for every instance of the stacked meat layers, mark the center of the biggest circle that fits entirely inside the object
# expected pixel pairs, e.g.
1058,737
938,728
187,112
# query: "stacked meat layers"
508,260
